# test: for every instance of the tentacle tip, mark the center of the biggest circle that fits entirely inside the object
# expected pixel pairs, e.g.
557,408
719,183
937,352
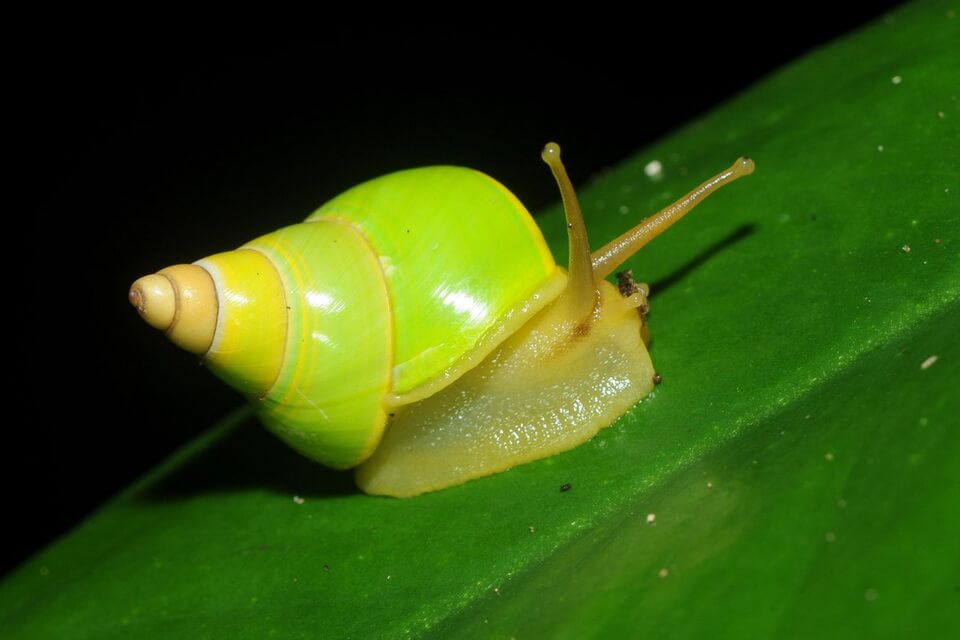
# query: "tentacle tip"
551,152
745,165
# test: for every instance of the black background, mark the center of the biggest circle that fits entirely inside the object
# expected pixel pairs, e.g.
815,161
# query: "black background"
134,152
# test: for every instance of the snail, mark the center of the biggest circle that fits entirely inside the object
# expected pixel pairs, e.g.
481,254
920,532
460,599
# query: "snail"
418,328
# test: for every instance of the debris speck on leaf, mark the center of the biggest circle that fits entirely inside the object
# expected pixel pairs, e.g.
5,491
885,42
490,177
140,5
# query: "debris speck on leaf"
654,169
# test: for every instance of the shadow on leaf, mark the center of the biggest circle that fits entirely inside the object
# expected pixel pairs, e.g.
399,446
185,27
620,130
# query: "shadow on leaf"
679,274
247,457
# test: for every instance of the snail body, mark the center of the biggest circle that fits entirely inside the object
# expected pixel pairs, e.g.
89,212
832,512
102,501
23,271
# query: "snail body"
418,326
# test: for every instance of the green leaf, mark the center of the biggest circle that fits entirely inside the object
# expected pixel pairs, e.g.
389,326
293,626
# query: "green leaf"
797,473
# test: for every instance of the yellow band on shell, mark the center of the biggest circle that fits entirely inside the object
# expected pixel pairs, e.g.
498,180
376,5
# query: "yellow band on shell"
247,350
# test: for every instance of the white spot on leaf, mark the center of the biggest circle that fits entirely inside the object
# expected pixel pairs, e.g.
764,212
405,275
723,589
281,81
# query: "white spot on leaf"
654,170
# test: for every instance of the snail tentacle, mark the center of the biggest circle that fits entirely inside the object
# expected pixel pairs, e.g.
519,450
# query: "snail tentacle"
582,295
618,251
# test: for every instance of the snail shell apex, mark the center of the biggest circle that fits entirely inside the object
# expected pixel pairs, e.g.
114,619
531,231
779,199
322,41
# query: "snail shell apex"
182,302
